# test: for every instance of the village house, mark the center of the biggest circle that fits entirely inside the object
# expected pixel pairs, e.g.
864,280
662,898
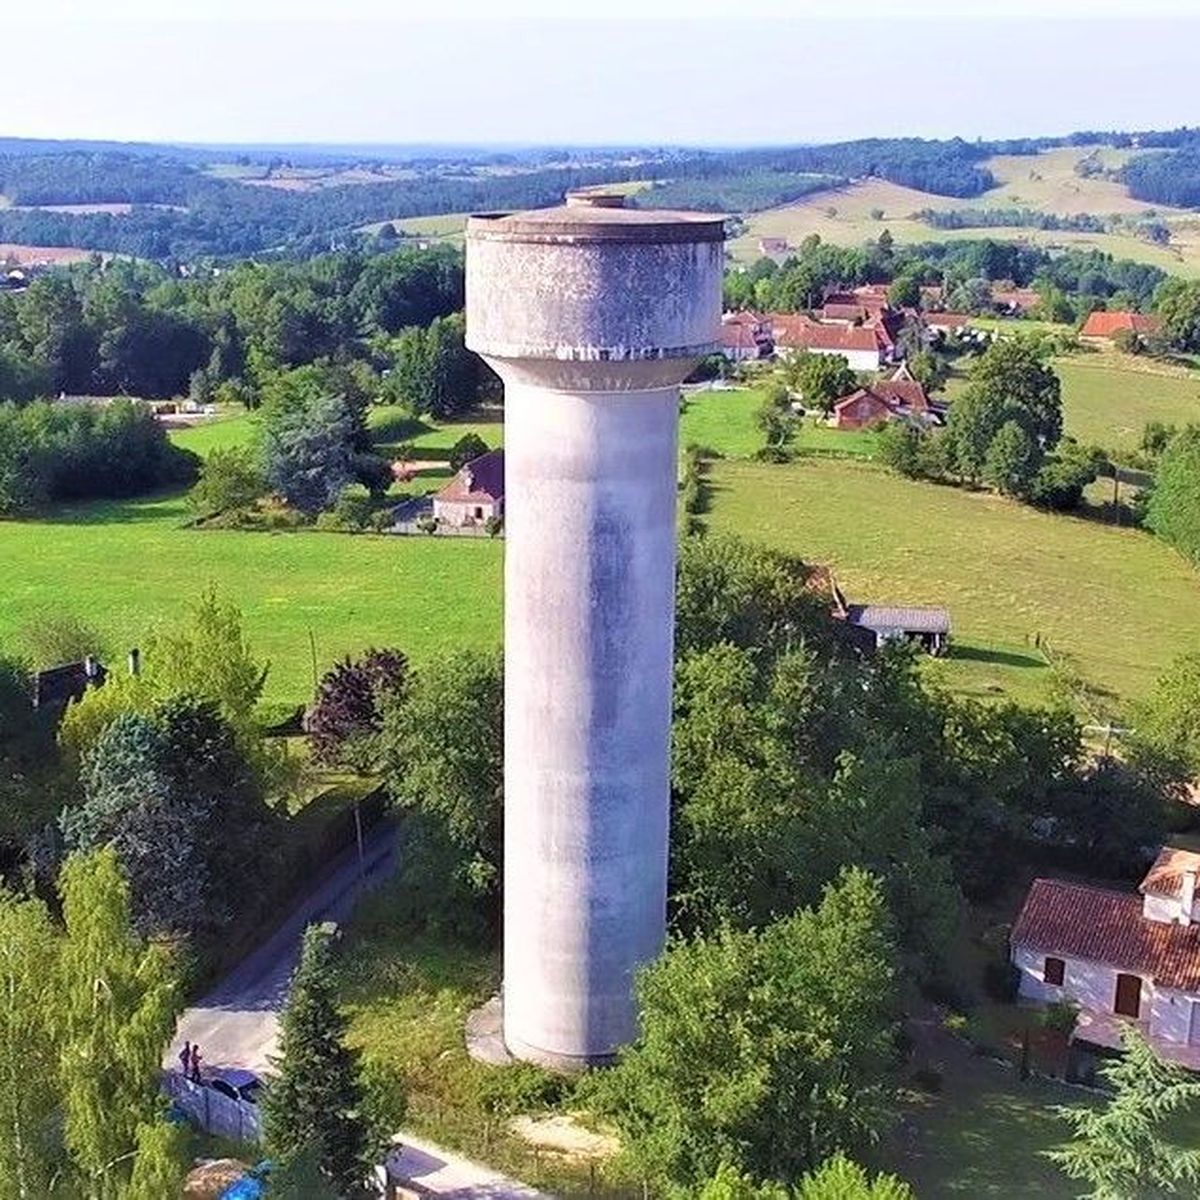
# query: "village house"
898,398
1013,301
860,345
946,322
1121,957
745,336
475,494
1103,327
773,247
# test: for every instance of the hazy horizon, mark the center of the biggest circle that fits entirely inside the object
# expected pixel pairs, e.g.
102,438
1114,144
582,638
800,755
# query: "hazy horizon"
718,80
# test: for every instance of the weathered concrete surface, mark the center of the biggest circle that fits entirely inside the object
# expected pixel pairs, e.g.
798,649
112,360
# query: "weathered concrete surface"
592,319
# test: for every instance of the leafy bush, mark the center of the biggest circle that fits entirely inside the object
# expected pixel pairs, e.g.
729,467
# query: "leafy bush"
346,712
468,447
230,479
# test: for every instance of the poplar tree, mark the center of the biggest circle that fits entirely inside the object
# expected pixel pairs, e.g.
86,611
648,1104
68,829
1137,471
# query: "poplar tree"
315,1102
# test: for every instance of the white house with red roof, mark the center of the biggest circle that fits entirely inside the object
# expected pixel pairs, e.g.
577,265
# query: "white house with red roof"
1121,957
745,336
860,345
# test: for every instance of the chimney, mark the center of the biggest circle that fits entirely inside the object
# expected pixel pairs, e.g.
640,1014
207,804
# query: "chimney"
135,661
1187,896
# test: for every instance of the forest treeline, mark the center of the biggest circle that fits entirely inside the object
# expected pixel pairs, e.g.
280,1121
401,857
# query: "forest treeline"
210,216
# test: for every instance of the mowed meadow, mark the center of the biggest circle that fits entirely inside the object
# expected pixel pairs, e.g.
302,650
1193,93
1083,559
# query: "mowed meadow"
1114,603
1118,602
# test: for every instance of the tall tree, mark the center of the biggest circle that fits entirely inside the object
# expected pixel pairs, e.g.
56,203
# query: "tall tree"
118,1001
30,1151
1122,1148
745,1034
820,378
1177,303
1173,511
442,756
316,1102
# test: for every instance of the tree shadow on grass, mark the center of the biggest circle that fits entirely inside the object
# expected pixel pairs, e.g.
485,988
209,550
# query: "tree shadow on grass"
998,658
398,427
134,510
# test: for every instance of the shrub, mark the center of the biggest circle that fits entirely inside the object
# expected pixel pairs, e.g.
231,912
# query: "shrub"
345,714
493,525
469,446
428,525
353,508
230,479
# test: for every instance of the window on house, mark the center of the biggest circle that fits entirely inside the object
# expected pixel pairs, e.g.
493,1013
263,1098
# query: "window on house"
1054,971
479,514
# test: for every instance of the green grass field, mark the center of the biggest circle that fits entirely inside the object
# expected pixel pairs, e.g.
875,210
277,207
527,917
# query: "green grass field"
121,566
1109,398
724,421
1121,604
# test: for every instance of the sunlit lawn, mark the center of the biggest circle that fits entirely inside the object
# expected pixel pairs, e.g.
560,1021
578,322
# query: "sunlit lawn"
1118,601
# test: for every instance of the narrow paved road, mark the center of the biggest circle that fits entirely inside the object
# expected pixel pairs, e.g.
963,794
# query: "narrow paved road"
237,1023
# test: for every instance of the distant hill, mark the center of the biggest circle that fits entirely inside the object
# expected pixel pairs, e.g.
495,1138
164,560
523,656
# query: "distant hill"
193,201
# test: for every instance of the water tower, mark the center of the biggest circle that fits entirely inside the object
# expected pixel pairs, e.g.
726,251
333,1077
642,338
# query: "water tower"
592,314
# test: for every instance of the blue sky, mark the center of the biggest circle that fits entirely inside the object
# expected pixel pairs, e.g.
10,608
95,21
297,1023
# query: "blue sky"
687,71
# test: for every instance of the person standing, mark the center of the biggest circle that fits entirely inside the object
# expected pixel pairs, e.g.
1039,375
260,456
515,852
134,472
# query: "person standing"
185,1060
196,1060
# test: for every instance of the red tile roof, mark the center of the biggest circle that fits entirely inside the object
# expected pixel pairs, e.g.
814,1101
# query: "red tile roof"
842,338
480,480
1166,873
947,320
1108,324
835,311
888,395
1103,926
738,335
788,328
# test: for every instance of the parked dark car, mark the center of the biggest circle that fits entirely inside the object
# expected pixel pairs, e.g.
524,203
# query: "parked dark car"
236,1084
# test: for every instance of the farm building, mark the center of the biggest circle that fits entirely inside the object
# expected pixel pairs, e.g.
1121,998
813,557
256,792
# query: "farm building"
475,494
928,627
946,322
1120,957
1105,326
1013,301
900,398
859,345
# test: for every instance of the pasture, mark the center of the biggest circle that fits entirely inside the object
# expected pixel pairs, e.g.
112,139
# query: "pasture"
1119,603
1044,183
122,566
1109,398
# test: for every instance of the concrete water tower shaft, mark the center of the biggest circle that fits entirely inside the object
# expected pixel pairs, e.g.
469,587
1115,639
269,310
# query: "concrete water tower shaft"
592,314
